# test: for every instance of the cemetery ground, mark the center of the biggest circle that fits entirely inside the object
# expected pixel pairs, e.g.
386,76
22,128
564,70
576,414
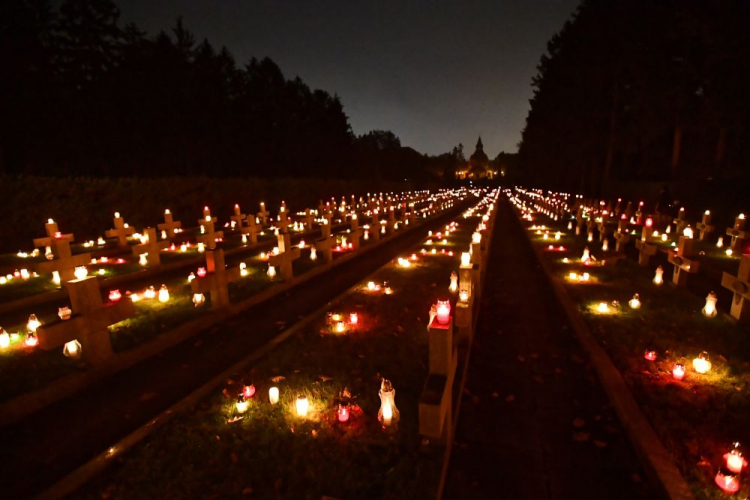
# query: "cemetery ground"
699,417
534,422
56,439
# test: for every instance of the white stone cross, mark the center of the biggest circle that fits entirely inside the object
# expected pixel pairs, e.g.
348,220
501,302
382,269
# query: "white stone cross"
217,279
683,261
64,262
738,232
287,254
250,230
740,286
209,236
121,231
238,217
705,226
355,232
263,214
89,322
169,226
151,248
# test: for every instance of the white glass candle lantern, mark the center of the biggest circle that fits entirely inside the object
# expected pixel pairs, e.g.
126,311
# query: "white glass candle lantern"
635,302
659,276
199,299
72,349
201,247
702,364
313,253
709,310
271,272
388,413
605,245
81,272
142,260
150,293
465,259
476,237
56,278
303,405
163,294
273,395
603,307
591,237
454,282
720,242
4,339
33,323
586,255
688,232
64,313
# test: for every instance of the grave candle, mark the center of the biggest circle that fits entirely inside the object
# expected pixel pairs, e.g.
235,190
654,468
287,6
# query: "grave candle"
56,278
248,391
81,272
340,327
701,364
586,255
465,259
605,245
142,259
72,349
658,277
443,311
302,406
709,310
603,307
33,323
4,339
163,294
454,282
463,295
201,272
31,340
720,242
198,299
343,412
64,313
273,395
271,272
114,295
388,412
688,232
678,371
313,253
241,404
635,302
150,293
727,481
650,355
353,318
734,459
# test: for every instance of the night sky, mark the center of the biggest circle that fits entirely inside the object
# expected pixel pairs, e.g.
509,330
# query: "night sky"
435,75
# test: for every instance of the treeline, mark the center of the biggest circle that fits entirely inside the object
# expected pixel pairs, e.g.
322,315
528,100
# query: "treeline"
653,90
81,93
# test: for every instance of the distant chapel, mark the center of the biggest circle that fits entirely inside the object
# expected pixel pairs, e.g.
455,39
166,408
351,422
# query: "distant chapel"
479,166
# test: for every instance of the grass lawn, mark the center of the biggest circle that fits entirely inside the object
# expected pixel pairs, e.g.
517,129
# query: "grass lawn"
270,452
699,417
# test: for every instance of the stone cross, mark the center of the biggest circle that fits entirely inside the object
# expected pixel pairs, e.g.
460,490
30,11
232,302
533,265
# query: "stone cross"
604,228
355,232
283,223
251,229
629,210
324,245
89,322
64,262
263,214
704,226
738,232
238,217
209,236
309,219
436,401
283,260
121,231
740,287
151,248
622,236
683,261
169,225
680,222
217,279
375,225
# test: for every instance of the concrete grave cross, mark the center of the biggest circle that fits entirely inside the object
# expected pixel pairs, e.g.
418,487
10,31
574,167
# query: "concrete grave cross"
324,245
169,226
263,214
740,287
738,232
283,260
121,231
283,223
680,222
63,261
375,225
217,279
237,218
89,322
683,261
251,230
151,247
209,236
309,219
355,231
622,236
704,226
646,249
629,210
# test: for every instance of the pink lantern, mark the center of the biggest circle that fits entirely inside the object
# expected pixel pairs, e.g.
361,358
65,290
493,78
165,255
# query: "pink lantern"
248,391
343,413
734,459
443,311
727,481
201,272
678,371
31,340
353,318
650,355
649,222
115,295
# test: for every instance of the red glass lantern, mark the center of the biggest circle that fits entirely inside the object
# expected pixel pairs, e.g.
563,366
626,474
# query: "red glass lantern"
201,272
443,311
734,459
248,391
115,295
650,355
727,481
353,318
649,222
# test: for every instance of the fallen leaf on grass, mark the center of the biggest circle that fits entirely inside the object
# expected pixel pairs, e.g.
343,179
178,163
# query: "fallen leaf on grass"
325,378
233,420
314,433
581,437
278,379
147,396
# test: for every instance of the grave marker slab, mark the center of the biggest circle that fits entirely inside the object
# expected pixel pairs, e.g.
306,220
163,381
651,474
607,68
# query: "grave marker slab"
740,287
